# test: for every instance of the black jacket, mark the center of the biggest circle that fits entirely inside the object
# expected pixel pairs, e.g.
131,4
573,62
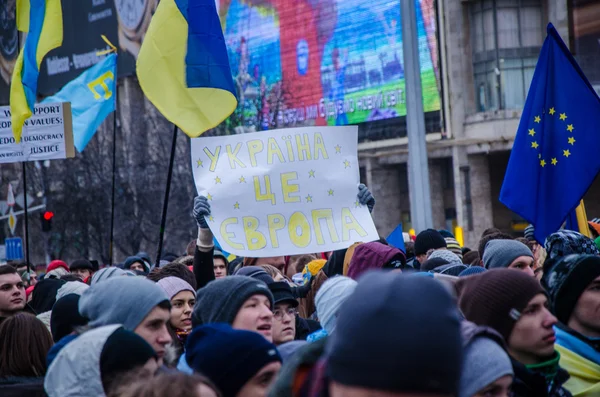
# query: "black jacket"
203,267
22,387
305,327
527,383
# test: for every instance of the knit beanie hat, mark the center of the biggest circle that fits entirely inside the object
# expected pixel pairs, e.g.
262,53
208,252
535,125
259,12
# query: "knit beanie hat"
65,317
71,287
454,246
255,272
55,264
81,264
329,299
428,239
124,300
567,242
529,232
107,273
484,362
174,285
228,357
282,292
472,270
451,269
447,255
366,350
446,233
501,253
497,297
566,280
220,300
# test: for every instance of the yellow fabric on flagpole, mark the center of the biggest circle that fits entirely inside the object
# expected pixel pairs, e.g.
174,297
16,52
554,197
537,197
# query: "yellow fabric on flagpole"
582,221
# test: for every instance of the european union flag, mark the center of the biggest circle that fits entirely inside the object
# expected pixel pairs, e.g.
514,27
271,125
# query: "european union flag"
554,158
92,97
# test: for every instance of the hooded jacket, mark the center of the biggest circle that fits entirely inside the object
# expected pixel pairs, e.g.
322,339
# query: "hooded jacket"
374,255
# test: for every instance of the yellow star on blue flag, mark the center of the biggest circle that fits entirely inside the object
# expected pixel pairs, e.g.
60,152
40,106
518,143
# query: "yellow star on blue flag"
550,170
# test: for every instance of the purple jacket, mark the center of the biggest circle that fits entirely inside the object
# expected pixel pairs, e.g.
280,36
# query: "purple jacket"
374,255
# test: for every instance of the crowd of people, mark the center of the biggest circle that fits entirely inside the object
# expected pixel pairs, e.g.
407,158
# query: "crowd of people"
434,319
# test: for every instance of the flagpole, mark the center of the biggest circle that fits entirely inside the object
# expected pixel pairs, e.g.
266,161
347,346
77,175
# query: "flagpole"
582,219
25,215
163,219
114,173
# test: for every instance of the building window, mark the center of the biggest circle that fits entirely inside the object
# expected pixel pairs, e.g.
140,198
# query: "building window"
507,36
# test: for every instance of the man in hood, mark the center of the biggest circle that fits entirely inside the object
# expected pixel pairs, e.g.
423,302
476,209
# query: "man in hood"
374,255
137,303
573,284
220,264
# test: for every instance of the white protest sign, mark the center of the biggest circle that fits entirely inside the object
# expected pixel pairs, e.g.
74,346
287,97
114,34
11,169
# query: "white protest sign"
47,135
283,192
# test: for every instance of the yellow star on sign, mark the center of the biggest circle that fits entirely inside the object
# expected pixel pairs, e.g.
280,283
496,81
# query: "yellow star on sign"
311,174
217,180
210,218
566,153
552,111
532,132
356,204
236,205
242,179
554,161
199,162
309,199
543,163
534,145
571,141
537,119
563,116
570,128
330,191
346,164
338,149
209,196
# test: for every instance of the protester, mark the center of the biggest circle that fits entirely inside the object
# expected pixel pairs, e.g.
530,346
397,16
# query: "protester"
332,294
174,270
272,271
240,363
374,255
284,313
92,364
567,242
108,273
138,304
296,264
454,247
515,305
56,269
24,343
220,264
44,295
83,268
12,292
65,317
492,234
573,284
135,263
509,254
427,240
172,384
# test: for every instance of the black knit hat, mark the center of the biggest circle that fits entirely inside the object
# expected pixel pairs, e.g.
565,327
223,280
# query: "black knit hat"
565,281
81,264
282,292
429,239
497,297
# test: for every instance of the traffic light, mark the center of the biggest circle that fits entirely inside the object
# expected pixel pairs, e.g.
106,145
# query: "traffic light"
46,218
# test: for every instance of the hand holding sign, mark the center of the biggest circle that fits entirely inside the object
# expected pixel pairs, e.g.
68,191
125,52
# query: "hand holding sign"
283,192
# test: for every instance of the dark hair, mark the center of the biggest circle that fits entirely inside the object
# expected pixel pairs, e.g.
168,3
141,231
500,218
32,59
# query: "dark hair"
7,269
174,270
299,261
490,230
471,258
24,345
271,271
486,239
410,249
186,260
165,305
172,384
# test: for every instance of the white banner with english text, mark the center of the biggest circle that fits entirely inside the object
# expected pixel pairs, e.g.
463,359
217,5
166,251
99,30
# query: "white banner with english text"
283,192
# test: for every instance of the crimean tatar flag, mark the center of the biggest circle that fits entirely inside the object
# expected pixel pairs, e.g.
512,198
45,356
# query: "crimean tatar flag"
183,66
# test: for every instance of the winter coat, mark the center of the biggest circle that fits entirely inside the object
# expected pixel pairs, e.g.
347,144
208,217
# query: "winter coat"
22,387
374,255
335,263
203,267
305,327
527,383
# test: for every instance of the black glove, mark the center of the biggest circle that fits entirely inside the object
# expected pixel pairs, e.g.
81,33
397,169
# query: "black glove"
365,197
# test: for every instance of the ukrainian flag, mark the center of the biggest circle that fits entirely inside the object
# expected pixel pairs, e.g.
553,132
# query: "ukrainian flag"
183,66
45,33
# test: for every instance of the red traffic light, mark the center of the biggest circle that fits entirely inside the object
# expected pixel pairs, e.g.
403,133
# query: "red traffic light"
48,215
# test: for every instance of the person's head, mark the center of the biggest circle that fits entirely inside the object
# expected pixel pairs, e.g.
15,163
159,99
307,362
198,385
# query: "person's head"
174,270
56,269
240,301
256,272
454,246
487,369
220,264
284,313
277,261
296,264
374,255
65,316
272,271
71,287
24,344
90,364
427,240
486,238
567,242
183,299
12,291
135,263
573,284
240,363
383,306
138,304
330,297
172,384
472,258
510,254
82,268
108,273
514,304
44,295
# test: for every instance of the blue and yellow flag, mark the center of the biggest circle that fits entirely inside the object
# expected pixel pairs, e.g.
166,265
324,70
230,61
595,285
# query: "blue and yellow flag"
553,161
183,66
92,96
45,33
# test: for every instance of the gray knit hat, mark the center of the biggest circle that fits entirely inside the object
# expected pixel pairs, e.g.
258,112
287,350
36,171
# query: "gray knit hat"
501,253
484,362
447,255
220,300
109,272
122,300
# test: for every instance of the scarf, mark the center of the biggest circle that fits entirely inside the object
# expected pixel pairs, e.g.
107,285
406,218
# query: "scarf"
548,368
588,348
